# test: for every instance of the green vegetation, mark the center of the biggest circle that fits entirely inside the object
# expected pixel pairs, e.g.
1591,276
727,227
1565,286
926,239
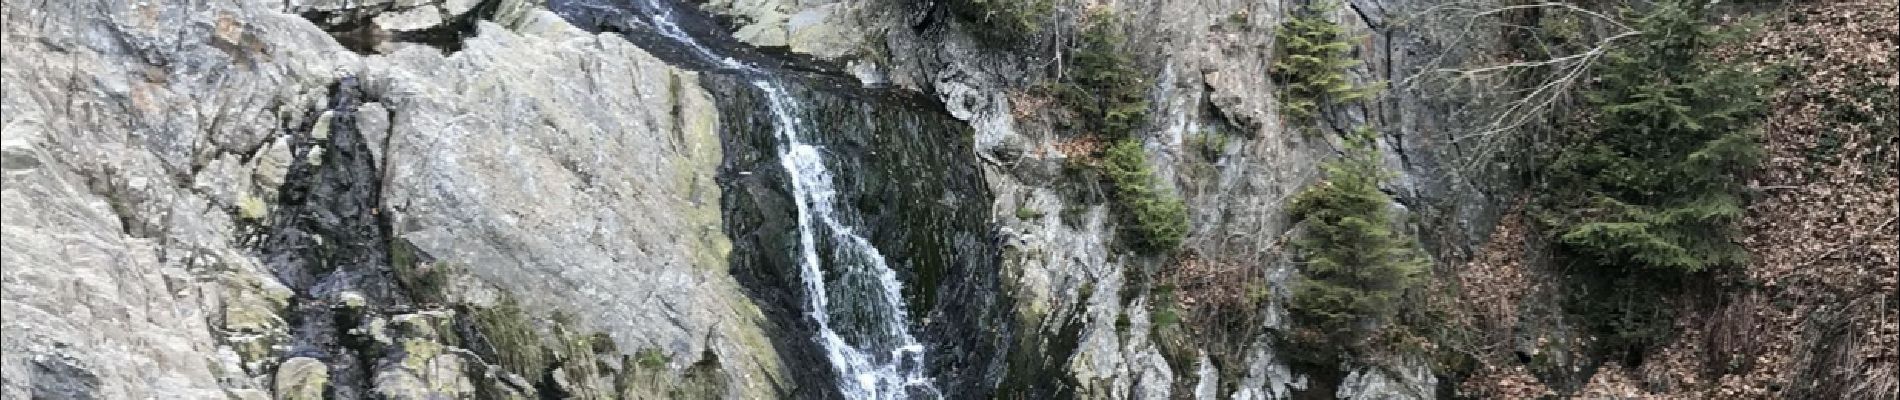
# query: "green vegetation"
252,208
1025,212
1103,85
1166,310
1110,95
1004,22
1210,143
1649,194
426,281
505,335
651,358
1171,336
1156,220
512,338
1312,62
1239,19
1354,266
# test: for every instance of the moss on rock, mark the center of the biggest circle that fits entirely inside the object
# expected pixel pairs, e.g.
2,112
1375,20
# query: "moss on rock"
252,208
511,338
427,281
301,378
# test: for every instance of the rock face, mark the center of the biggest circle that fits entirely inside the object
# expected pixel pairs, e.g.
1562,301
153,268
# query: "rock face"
139,132
1081,309
598,202
828,30
151,148
908,181
301,378
475,198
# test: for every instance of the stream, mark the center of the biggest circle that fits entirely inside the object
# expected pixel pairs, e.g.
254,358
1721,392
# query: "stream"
850,290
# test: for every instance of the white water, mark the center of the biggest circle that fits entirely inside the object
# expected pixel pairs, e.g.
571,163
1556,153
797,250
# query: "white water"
886,362
875,356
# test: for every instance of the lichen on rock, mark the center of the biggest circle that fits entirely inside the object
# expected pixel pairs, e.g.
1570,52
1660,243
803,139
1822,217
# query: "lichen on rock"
301,378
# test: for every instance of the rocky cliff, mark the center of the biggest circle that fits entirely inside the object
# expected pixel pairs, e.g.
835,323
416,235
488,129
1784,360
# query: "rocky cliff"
1099,317
215,199
560,199
1086,307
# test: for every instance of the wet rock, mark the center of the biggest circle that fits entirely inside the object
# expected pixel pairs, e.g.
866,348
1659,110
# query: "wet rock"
146,140
909,184
392,15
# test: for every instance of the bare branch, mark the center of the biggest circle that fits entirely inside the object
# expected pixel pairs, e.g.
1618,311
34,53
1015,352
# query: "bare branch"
1554,78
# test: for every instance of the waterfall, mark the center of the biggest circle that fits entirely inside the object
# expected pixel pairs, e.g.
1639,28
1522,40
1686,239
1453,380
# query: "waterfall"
886,362
859,313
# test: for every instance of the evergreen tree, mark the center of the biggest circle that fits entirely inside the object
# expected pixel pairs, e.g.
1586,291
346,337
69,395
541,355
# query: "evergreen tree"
1103,83
1004,23
1156,221
1656,186
1652,192
1312,63
1354,266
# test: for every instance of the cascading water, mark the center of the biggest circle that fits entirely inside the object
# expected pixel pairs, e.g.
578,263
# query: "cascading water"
885,361
859,313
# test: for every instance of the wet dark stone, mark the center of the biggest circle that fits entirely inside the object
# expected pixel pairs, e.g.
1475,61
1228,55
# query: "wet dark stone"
55,377
908,176
325,237
354,29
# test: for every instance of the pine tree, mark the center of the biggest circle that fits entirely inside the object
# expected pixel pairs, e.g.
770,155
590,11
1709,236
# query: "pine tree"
1004,23
1651,193
1656,185
1354,266
1312,63
1156,221
1103,83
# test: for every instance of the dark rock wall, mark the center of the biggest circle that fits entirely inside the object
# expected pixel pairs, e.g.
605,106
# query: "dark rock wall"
908,175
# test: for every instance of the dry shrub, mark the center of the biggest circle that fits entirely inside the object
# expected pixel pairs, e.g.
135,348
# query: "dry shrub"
1612,381
1221,301
1080,147
1493,283
1514,382
1215,292
1030,105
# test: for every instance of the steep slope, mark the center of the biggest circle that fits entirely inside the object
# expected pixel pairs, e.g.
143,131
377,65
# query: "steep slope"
1813,315
1094,318
1810,315
1100,313
198,197
485,199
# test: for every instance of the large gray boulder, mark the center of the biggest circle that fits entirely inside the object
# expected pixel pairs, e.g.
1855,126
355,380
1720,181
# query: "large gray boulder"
146,142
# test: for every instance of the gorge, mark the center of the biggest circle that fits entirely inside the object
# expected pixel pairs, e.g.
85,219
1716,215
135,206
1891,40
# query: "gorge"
947,199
